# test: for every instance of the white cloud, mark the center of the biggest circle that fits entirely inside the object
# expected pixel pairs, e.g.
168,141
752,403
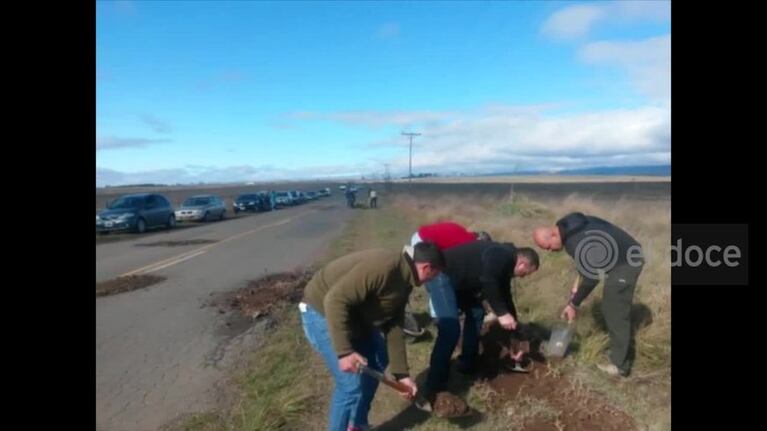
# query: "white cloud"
573,21
497,137
192,174
577,21
114,142
404,119
111,177
659,10
647,62
537,142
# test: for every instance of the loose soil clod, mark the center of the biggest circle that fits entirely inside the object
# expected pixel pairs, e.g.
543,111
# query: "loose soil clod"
261,295
177,243
447,405
126,284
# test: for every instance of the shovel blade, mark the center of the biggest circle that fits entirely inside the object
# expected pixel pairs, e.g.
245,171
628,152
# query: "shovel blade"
559,342
423,404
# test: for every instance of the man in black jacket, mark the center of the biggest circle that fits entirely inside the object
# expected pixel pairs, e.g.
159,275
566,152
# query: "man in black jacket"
600,250
477,270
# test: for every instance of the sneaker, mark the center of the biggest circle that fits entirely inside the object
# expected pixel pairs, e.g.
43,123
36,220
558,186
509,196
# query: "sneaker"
359,428
424,402
411,327
612,370
415,333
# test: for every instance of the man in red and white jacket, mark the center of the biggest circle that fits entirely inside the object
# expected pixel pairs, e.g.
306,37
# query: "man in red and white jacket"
445,234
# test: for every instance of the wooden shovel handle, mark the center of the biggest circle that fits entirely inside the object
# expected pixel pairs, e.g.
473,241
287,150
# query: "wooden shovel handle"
401,387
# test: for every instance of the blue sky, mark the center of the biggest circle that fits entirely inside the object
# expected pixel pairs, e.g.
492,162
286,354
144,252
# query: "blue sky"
237,91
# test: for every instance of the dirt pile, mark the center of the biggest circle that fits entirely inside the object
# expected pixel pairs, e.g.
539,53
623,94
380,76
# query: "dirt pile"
542,399
126,284
447,405
177,243
261,295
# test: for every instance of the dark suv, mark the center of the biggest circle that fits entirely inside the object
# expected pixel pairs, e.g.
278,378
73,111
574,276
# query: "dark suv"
251,202
137,213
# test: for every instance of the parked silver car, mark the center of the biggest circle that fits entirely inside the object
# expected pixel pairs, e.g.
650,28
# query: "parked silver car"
201,208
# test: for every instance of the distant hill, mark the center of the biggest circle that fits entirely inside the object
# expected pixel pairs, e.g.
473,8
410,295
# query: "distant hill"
660,170
651,170
126,186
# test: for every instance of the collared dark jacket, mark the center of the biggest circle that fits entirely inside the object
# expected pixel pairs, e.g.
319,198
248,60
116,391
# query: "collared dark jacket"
600,238
484,269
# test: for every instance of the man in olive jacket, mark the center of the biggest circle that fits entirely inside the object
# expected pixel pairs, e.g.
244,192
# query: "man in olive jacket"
353,312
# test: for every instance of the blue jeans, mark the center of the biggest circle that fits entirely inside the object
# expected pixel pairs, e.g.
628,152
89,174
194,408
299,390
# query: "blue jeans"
353,393
446,305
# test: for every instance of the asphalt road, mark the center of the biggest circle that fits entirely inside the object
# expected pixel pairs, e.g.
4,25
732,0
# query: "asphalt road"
159,351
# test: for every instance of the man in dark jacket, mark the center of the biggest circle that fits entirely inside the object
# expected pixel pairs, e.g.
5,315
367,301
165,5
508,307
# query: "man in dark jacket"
600,250
477,271
445,234
353,312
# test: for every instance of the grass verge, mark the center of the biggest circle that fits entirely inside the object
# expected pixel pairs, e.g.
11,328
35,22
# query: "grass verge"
286,386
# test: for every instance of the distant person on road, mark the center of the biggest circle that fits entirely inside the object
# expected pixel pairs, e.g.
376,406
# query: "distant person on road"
353,311
350,197
373,199
600,250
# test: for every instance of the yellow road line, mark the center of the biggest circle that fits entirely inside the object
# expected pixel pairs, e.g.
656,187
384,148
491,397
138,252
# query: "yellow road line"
198,251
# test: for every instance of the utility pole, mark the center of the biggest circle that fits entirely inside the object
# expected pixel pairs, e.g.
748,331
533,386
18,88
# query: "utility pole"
410,164
387,177
511,192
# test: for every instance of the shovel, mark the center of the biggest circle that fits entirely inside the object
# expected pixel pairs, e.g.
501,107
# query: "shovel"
561,335
381,377
420,402
560,340
519,357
